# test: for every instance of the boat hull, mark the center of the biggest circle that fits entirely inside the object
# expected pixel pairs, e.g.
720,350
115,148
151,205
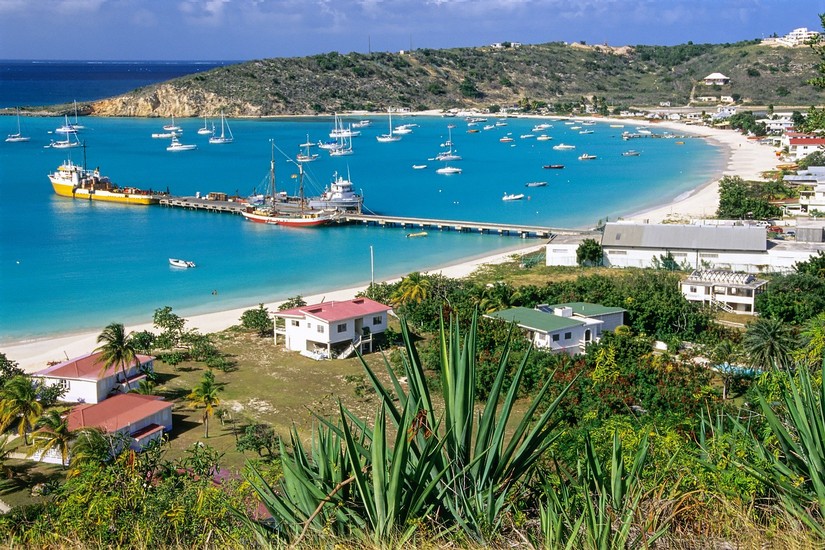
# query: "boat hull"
287,221
67,190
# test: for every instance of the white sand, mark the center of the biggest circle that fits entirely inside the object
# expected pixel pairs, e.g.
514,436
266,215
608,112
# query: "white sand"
746,158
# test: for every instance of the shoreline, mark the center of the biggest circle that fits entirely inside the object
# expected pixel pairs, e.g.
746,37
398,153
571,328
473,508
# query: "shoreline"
745,158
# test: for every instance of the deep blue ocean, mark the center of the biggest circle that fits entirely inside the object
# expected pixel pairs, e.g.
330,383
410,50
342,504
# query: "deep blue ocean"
71,266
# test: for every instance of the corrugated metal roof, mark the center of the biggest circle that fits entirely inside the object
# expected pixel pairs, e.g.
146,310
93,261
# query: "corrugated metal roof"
536,320
336,311
117,412
87,367
586,309
683,236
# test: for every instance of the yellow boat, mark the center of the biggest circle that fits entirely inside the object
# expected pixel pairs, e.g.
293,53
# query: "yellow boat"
71,180
419,234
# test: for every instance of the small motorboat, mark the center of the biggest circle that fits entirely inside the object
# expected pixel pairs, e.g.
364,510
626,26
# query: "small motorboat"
535,184
175,262
553,166
631,153
418,234
585,156
448,171
419,166
512,197
506,139
544,137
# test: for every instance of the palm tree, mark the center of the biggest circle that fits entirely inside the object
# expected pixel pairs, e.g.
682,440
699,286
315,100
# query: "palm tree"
117,349
724,355
415,287
769,342
18,402
145,387
205,395
94,446
812,347
52,433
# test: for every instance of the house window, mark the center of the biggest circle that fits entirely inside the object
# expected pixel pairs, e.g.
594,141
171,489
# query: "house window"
320,329
693,290
555,337
309,325
707,255
342,328
617,252
568,335
377,320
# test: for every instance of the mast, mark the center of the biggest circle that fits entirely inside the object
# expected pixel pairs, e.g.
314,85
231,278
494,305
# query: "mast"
272,172
301,186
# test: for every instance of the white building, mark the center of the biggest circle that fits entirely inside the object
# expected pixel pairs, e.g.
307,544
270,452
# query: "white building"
776,125
799,148
86,381
733,292
567,328
797,37
331,328
716,79
731,248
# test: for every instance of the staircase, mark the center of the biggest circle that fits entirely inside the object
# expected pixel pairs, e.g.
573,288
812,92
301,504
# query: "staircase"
721,305
347,353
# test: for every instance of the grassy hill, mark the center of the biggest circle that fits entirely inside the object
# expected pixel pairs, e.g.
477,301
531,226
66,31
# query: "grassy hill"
555,74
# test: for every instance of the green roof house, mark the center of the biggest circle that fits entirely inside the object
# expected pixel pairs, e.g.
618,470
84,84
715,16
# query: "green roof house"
566,327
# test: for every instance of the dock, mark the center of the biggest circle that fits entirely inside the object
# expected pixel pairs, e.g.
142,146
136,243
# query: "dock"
403,222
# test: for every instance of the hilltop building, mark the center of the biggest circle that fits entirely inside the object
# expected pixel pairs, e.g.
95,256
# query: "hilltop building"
733,292
797,37
716,79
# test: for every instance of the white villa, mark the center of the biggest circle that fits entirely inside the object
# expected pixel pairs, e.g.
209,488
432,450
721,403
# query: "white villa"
86,381
716,79
331,329
733,292
801,147
567,328
795,38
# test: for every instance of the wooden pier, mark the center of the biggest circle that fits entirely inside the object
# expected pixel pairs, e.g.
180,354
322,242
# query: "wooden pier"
377,220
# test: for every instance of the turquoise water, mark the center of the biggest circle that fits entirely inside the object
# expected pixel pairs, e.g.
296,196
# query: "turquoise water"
69,266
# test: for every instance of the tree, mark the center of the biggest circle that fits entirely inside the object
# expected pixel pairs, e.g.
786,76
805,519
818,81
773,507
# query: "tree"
8,369
812,349
19,403
725,354
413,288
769,343
171,327
815,265
205,395
740,199
94,447
258,320
258,438
52,433
295,301
116,349
589,253
793,298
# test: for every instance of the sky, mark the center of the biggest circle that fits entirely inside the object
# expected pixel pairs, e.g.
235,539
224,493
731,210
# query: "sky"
253,29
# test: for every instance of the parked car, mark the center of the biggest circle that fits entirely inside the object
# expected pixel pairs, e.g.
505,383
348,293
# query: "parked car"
775,229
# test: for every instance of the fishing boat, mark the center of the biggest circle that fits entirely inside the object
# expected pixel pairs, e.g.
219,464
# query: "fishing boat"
553,166
417,234
339,195
175,262
631,153
206,130
178,146
18,137
71,180
387,138
564,147
585,156
448,171
512,197
303,217
535,184
223,138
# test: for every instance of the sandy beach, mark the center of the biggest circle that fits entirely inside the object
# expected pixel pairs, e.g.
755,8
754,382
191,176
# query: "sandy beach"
746,158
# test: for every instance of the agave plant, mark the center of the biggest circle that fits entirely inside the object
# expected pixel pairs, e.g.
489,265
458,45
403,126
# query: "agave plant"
796,463
458,468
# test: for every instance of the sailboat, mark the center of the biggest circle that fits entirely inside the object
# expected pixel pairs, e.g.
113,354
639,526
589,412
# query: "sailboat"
173,127
64,143
386,138
306,157
302,218
18,137
223,138
343,148
77,125
67,128
448,155
340,132
205,131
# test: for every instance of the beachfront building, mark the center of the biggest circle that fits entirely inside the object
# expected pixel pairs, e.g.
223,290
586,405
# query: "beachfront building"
794,39
716,79
140,418
801,147
563,328
86,381
732,292
727,247
331,329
